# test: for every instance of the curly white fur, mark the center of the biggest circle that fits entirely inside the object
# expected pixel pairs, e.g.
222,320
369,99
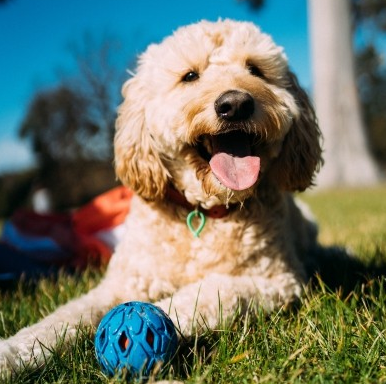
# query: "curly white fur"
256,252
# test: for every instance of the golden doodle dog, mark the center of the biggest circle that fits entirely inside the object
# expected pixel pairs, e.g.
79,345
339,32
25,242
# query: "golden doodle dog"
214,127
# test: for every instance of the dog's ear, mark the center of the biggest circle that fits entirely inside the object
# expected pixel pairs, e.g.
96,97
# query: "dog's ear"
137,163
301,155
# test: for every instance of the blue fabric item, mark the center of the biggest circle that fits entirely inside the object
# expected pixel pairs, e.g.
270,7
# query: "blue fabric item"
14,263
27,243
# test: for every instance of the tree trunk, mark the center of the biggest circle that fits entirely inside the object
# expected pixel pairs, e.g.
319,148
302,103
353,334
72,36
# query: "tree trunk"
347,159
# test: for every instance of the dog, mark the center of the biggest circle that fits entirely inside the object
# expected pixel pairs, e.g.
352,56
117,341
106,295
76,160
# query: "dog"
213,136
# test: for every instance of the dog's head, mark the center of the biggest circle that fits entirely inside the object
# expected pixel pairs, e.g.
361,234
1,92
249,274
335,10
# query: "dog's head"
214,110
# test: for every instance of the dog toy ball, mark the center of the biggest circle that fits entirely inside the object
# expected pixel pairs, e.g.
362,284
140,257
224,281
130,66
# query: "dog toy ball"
136,337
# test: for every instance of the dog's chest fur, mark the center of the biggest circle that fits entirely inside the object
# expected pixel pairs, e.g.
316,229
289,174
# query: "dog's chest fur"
173,256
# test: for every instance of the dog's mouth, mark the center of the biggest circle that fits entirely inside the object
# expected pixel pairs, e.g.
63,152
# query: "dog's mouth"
231,158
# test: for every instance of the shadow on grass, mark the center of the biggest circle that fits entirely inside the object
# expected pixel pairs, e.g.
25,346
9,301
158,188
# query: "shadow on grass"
339,269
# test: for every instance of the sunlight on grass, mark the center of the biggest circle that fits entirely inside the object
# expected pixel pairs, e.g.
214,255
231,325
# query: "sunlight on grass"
355,218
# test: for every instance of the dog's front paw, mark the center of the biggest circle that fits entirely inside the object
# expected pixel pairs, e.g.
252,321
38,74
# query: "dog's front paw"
20,351
8,359
183,320
200,306
189,319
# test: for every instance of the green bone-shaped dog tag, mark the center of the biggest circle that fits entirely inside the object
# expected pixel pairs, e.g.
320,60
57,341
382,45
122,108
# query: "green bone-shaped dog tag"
189,221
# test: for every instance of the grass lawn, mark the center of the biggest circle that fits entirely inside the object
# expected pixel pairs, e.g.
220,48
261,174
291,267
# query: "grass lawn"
331,338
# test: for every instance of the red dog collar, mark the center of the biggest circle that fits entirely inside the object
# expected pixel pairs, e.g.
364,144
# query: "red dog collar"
216,212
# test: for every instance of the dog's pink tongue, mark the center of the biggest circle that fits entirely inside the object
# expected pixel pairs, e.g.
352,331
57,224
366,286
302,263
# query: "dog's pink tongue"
232,162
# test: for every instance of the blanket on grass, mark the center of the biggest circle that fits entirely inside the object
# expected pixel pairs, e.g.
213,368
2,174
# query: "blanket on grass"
33,244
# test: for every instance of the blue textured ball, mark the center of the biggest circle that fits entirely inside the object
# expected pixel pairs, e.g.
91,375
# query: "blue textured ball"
134,336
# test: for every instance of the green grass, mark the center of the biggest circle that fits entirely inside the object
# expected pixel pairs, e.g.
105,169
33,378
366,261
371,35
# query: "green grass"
330,338
353,218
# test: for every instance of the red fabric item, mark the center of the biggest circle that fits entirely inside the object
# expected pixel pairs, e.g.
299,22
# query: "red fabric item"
90,250
216,212
57,226
75,232
105,211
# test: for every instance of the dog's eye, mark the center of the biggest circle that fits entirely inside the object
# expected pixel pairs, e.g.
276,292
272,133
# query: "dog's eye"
254,71
190,76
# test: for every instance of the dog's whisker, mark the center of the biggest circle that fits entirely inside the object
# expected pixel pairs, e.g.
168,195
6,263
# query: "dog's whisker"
229,196
130,72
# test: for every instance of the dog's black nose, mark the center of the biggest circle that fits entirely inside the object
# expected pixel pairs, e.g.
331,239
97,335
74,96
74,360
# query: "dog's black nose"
234,106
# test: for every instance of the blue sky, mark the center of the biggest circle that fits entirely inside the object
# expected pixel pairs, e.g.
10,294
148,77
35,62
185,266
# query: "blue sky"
35,34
